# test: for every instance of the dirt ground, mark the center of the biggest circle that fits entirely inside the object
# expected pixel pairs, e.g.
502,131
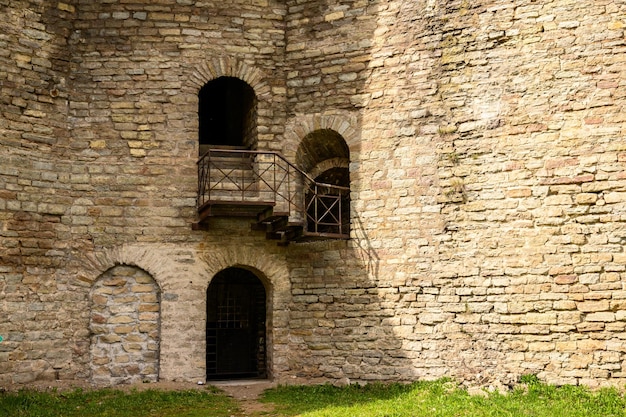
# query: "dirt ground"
247,394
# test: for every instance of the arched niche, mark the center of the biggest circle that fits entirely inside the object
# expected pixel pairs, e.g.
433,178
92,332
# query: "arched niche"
124,322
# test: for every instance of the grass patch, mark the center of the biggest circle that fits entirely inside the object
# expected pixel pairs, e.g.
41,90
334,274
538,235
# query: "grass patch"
115,403
444,398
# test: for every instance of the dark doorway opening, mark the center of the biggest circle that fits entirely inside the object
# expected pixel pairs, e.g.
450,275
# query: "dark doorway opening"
235,330
226,113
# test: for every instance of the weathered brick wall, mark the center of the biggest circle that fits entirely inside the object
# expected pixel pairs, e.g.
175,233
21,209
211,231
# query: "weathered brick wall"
137,72
486,164
114,181
534,142
34,189
487,197
355,307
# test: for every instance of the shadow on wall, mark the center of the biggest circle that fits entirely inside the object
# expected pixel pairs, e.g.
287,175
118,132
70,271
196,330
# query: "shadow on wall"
364,249
372,308
343,313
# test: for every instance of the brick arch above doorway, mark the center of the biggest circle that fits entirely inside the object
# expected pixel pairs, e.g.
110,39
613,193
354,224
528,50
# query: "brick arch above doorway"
327,164
301,126
225,66
270,269
161,263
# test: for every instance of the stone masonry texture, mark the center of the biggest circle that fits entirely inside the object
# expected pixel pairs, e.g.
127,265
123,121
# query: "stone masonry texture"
487,175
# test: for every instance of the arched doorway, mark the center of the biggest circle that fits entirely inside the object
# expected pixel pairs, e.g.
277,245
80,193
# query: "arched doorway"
324,155
227,108
332,211
236,329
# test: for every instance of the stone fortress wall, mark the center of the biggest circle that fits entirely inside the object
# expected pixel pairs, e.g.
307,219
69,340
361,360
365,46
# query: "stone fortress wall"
487,176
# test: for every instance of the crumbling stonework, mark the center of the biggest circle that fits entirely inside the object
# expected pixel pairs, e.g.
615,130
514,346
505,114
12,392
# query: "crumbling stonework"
487,176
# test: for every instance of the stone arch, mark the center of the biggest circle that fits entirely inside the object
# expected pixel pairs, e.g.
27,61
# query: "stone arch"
270,269
299,127
211,69
324,166
124,325
226,66
273,273
158,263
324,156
180,278
320,146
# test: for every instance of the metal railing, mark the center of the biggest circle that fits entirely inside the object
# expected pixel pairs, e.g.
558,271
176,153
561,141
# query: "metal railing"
327,209
242,176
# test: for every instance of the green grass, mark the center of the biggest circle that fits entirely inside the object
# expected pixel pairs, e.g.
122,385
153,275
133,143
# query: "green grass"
115,403
444,398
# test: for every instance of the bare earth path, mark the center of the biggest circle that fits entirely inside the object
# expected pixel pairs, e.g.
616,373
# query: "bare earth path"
247,392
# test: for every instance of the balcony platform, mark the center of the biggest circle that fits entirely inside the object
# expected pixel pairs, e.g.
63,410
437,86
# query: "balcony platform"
264,186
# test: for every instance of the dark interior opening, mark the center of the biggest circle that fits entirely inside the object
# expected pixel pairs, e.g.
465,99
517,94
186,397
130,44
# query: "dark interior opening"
326,153
235,329
226,113
325,212
335,176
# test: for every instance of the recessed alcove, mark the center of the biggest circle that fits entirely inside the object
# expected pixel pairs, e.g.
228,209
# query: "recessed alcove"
227,112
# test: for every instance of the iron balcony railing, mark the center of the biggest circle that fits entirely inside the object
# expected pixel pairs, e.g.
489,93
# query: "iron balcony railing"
327,209
231,176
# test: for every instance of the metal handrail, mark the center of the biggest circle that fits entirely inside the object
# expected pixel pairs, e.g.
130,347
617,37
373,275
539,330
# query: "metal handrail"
235,175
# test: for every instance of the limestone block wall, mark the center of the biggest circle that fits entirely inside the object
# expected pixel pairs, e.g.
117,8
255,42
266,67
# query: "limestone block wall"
138,70
355,308
487,162
34,189
110,178
484,247
534,141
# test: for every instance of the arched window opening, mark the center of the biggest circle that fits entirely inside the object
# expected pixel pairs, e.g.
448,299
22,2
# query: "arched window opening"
227,112
325,157
236,326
